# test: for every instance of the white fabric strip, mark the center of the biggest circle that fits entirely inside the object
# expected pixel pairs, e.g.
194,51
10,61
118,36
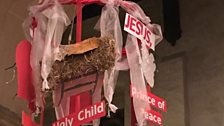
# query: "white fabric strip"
57,20
51,20
140,62
110,25
137,77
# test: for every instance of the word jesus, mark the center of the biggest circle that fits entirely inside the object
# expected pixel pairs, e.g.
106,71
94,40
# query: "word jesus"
139,30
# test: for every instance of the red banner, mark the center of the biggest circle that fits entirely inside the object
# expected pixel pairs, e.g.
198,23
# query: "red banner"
83,116
154,117
152,99
157,102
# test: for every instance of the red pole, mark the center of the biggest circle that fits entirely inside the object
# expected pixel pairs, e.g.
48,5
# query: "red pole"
75,100
79,22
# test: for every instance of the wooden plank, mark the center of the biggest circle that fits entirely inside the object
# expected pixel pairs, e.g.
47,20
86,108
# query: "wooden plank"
81,47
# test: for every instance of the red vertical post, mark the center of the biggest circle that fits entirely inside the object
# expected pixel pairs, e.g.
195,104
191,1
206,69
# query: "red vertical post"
78,39
79,22
75,100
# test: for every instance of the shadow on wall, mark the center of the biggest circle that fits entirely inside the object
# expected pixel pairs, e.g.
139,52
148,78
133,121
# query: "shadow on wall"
8,118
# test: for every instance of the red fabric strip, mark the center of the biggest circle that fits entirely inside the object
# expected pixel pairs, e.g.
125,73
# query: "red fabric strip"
27,121
24,70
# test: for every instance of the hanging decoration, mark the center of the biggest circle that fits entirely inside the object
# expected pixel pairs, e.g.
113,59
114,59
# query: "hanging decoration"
90,56
62,71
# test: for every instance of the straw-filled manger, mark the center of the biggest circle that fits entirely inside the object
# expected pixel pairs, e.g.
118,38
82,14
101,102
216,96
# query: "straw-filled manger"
88,57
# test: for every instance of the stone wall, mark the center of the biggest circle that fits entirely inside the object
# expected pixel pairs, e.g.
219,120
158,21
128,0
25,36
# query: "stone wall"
202,44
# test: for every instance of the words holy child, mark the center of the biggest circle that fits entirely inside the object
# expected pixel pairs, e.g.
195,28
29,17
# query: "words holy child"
83,116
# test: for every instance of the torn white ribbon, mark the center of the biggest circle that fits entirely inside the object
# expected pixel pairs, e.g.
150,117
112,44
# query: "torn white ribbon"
140,62
110,25
51,20
137,77
57,20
